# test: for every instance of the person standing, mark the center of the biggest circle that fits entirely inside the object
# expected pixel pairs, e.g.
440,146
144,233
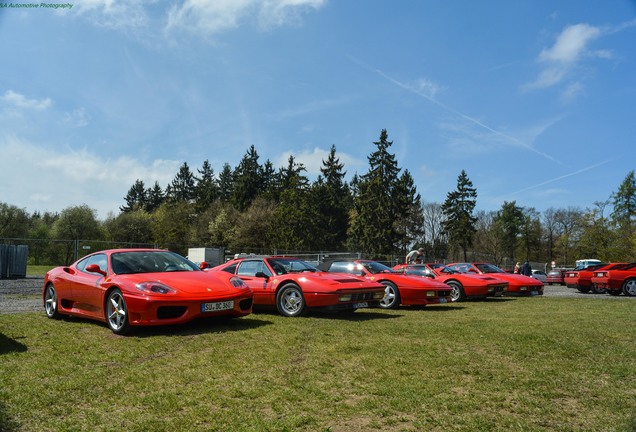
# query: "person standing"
526,270
517,268
415,256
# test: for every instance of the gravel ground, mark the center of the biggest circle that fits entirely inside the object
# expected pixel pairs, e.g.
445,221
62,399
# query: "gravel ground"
24,295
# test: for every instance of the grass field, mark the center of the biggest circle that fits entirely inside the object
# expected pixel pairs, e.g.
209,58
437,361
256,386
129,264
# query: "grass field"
536,364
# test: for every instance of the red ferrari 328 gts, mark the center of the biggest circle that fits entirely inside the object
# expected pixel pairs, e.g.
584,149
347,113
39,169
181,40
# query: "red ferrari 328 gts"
142,287
518,284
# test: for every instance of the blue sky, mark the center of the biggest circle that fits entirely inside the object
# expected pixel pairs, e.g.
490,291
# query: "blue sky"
534,99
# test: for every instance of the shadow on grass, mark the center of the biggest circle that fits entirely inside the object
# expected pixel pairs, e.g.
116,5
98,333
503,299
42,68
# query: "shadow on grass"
9,345
7,424
195,327
346,315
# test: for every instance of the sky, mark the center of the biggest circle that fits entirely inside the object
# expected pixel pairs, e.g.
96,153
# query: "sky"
534,99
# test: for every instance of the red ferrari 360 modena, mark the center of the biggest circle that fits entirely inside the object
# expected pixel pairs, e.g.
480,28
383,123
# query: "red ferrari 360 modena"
142,287
463,285
400,289
293,286
616,279
518,285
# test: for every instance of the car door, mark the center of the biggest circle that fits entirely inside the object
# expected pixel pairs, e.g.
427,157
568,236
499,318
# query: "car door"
87,292
258,277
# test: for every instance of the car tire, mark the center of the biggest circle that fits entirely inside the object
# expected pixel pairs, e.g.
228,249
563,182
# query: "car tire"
290,301
629,287
613,292
596,290
583,290
392,298
51,302
457,291
117,313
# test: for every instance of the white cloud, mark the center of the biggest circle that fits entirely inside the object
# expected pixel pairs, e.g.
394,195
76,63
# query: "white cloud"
208,17
21,101
77,118
34,177
117,14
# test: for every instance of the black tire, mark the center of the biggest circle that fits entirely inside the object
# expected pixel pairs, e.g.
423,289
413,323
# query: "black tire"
629,287
596,290
51,302
457,291
117,313
392,298
290,301
613,292
583,290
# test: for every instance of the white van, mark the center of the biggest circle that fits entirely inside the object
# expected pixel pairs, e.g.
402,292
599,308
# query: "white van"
585,263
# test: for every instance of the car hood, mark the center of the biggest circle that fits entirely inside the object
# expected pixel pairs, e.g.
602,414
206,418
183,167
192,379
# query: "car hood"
334,279
194,282
518,279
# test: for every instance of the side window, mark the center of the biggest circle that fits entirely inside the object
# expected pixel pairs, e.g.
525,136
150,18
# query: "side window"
344,267
99,259
250,268
230,269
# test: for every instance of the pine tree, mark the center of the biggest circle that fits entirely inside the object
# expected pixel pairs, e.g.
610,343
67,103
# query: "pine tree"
182,187
206,190
374,207
409,223
459,223
155,197
248,182
226,183
136,198
510,221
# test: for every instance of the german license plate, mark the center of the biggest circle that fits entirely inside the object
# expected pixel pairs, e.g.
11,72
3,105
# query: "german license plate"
361,305
217,306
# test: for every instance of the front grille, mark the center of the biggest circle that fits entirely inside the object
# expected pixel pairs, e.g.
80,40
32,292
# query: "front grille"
444,293
245,304
362,296
169,312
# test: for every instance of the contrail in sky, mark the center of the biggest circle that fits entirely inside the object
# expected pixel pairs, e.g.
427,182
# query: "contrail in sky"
452,110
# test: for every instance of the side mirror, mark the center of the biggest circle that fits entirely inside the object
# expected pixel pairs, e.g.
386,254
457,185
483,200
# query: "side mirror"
204,266
94,268
429,275
261,275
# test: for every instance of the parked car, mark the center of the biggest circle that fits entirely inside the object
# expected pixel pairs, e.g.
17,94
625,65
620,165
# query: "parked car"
400,289
463,285
581,278
616,279
518,285
555,276
141,287
539,275
293,286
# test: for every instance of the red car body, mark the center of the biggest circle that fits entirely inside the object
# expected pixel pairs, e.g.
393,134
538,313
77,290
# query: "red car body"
400,289
555,276
293,286
141,287
581,278
463,285
616,279
518,285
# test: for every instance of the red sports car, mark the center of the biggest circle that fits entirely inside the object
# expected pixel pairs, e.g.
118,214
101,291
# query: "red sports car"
517,284
293,285
400,289
616,279
581,278
463,285
142,287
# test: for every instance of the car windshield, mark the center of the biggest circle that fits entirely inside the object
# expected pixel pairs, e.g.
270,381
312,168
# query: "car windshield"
150,262
443,268
489,268
417,270
290,265
375,267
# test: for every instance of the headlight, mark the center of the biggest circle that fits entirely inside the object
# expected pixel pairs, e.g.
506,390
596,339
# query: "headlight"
379,295
155,288
430,293
237,282
345,298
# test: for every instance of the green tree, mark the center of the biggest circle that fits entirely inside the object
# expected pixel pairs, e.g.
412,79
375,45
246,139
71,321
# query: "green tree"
182,188
510,220
254,227
206,190
76,223
409,221
14,221
331,196
248,182
459,222
226,183
171,225
155,197
130,227
531,234
136,198
624,216
374,210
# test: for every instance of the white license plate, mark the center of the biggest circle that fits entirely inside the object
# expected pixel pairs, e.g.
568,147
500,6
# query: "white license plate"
571,275
442,300
217,306
534,293
360,305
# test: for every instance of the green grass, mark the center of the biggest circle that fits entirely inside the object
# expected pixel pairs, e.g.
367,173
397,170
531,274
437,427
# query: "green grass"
536,364
37,270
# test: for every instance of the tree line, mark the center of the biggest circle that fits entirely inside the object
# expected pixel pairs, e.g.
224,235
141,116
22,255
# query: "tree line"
254,207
